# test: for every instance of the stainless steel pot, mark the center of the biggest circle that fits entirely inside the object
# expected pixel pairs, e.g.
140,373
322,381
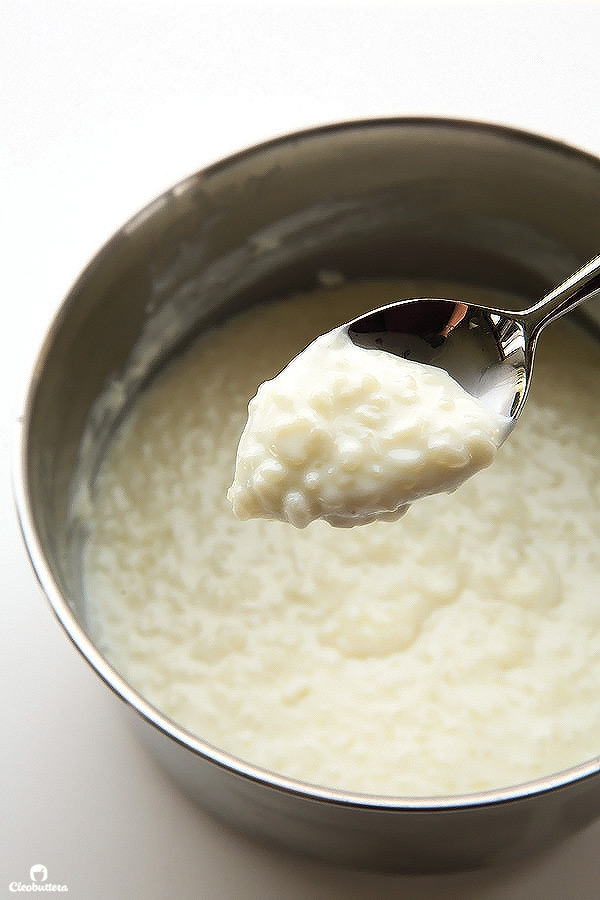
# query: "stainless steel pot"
408,198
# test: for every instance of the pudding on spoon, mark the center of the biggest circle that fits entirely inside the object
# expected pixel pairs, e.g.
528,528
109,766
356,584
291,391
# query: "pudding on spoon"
406,401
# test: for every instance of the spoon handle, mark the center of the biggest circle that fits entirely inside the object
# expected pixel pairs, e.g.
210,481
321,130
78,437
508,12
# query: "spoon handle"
579,287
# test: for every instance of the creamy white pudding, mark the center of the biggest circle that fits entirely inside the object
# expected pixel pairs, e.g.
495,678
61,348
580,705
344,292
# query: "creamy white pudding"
454,650
351,435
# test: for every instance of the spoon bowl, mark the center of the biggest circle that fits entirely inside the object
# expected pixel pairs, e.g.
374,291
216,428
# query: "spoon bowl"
489,352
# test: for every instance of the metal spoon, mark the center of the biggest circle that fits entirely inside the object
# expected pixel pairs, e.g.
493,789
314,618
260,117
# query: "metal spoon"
489,352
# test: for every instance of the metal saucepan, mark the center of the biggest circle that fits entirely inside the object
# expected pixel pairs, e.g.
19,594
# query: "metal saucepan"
405,198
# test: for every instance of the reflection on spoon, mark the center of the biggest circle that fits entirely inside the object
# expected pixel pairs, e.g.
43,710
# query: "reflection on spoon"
489,352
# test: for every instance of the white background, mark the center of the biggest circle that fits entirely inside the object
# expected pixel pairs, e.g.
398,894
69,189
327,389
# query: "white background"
102,106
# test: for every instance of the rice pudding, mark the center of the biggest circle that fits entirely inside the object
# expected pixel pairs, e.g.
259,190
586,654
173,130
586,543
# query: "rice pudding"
457,649
351,435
